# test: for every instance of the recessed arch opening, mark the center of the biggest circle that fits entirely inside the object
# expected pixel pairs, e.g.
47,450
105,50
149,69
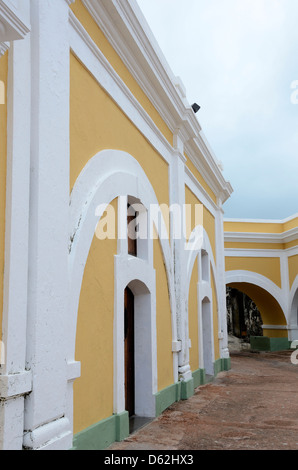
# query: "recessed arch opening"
271,314
138,354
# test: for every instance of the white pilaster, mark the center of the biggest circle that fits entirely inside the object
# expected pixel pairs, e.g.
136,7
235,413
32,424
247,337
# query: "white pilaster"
285,284
220,282
15,381
177,197
45,408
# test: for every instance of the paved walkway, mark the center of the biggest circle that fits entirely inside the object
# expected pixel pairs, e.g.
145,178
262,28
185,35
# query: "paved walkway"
252,406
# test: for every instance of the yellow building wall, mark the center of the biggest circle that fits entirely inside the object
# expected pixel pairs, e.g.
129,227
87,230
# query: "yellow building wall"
208,218
291,244
97,123
293,223
200,178
268,267
293,268
103,44
93,391
253,227
165,372
3,157
193,319
215,317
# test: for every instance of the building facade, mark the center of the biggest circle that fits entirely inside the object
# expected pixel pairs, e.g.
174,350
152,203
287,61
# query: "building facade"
96,135
261,260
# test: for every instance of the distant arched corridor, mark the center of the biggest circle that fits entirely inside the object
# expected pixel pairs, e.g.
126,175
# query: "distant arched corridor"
243,317
271,320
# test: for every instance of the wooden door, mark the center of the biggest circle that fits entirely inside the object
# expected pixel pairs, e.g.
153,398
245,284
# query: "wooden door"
129,352
132,242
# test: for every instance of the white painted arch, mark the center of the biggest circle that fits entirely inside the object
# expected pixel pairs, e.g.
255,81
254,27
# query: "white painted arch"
108,175
259,280
293,311
199,241
199,246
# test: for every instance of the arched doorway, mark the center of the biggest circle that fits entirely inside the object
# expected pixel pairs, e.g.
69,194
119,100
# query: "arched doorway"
293,323
207,332
138,354
243,317
129,351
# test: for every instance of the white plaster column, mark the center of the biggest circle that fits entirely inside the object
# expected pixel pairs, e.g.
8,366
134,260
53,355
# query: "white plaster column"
177,197
285,285
46,426
15,380
220,282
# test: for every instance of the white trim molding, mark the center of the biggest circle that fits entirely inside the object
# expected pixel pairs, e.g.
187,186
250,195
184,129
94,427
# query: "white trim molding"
260,237
249,277
275,327
14,23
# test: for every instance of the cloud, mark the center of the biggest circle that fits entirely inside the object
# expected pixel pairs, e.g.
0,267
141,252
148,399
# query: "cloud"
238,59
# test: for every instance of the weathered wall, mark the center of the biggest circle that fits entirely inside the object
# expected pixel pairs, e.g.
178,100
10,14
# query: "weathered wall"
93,391
193,318
3,156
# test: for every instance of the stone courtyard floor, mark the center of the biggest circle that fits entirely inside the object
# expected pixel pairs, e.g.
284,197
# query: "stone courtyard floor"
253,406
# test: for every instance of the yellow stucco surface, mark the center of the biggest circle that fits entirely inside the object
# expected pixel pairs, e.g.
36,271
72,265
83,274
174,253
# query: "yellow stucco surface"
200,178
291,244
208,219
253,227
106,48
93,391
293,268
193,319
97,123
163,322
293,223
268,267
3,156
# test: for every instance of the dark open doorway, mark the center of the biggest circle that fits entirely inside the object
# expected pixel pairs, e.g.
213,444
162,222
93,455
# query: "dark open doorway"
129,352
131,325
243,317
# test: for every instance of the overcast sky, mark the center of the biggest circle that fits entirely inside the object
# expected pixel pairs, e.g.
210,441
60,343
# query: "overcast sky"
237,60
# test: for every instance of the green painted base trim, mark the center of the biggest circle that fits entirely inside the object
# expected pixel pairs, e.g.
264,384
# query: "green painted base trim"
199,377
221,365
187,389
103,434
226,363
122,426
167,397
264,343
217,367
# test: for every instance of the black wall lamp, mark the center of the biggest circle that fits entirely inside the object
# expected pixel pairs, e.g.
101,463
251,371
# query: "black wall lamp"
196,107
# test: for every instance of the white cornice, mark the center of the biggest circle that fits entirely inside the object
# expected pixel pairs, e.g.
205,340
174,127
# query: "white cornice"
126,29
253,237
12,24
262,221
